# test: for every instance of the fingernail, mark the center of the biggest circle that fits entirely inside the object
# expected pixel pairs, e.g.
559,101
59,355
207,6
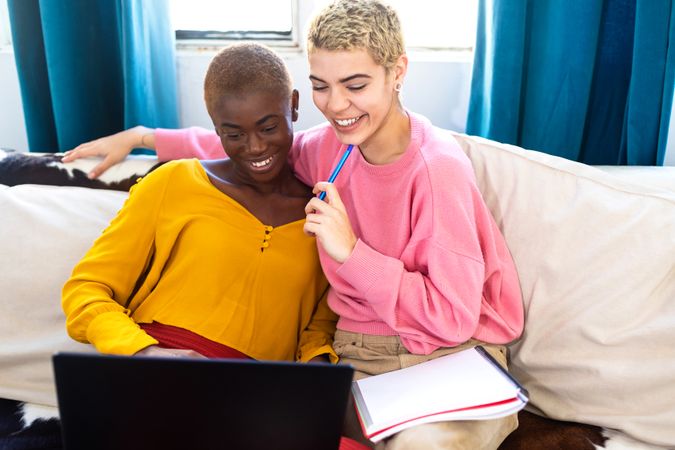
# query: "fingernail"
91,175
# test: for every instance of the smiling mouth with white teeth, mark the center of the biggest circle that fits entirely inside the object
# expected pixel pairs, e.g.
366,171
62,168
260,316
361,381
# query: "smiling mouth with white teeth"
264,163
347,122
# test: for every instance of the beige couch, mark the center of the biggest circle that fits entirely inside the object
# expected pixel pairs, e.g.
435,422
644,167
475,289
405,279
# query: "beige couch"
594,248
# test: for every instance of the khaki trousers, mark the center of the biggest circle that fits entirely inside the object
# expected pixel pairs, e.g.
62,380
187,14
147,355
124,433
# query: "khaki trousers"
373,355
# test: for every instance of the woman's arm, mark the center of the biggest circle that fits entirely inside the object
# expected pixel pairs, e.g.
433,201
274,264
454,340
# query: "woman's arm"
103,281
113,148
316,341
191,142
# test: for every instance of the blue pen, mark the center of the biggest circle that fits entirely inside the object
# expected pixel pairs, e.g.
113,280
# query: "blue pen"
337,169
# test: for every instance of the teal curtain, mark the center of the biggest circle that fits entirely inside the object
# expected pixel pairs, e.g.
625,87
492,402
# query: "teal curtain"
91,68
590,81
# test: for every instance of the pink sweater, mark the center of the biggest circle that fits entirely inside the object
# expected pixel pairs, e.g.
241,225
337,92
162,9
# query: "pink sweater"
430,264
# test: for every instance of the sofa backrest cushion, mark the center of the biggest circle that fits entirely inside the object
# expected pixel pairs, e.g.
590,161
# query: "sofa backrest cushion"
44,231
656,176
596,260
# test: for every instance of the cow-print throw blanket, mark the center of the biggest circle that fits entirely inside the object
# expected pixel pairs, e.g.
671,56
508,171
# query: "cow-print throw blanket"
45,168
21,430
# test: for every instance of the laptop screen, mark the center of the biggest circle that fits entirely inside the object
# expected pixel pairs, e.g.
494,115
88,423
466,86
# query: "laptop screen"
123,402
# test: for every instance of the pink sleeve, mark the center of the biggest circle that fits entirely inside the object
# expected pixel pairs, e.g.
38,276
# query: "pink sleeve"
191,142
314,152
426,309
302,160
463,277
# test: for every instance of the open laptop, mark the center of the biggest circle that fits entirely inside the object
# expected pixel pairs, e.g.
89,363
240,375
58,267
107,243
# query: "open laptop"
127,403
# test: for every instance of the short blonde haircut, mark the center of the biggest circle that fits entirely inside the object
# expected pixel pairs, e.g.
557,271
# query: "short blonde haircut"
245,68
359,24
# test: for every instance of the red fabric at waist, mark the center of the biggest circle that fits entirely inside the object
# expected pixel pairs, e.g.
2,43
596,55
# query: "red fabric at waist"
175,337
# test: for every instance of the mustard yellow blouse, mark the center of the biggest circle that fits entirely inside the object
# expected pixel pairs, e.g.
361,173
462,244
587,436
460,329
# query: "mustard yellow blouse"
182,253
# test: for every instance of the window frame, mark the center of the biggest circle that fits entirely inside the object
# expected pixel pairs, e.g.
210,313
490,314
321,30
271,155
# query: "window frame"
279,40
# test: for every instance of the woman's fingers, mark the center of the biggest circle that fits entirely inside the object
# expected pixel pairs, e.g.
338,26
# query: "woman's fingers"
101,167
328,221
155,350
332,195
315,205
81,151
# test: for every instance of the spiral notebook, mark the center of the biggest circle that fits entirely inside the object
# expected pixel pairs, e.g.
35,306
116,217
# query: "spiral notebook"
467,385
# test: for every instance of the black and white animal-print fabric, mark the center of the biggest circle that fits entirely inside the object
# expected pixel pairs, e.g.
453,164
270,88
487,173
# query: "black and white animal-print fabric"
23,427
47,168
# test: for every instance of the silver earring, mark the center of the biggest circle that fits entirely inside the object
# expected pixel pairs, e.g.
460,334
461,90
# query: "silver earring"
397,87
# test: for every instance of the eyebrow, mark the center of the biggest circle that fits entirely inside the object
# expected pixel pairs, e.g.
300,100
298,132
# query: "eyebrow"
343,80
258,122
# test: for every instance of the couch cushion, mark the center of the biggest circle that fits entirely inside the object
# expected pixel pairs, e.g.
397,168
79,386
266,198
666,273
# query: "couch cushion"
657,176
45,230
595,255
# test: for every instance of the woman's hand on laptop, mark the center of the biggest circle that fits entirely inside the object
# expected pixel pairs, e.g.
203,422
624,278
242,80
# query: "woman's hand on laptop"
154,350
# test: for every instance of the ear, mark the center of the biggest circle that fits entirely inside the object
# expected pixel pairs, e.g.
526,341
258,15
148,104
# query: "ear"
295,102
400,69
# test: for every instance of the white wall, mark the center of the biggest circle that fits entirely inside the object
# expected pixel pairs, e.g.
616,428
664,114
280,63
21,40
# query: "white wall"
427,82
436,86
670,146
12,125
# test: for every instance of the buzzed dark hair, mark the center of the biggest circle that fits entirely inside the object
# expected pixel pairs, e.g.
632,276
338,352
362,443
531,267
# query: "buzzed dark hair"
242,68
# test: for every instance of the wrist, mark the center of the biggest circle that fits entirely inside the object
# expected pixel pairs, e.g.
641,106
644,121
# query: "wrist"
143,137
349,251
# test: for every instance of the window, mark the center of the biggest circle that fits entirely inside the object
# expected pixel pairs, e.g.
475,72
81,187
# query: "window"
438,24
427,24
5,31
209,20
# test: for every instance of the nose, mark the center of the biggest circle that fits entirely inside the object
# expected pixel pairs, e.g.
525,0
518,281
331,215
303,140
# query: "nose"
337,101
256,145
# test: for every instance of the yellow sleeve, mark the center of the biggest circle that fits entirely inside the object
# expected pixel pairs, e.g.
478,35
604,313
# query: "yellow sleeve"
103,281
317,338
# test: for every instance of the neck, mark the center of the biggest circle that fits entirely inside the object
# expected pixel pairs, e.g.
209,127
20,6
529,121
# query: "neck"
283,183
390,141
